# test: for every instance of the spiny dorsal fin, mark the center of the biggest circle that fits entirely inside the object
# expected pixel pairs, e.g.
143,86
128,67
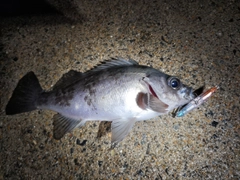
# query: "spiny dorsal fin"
113,63
67,79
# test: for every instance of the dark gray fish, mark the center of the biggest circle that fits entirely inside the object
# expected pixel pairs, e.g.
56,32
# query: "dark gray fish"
117,90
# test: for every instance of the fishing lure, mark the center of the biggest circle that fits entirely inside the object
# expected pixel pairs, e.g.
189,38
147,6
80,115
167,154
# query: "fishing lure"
196,102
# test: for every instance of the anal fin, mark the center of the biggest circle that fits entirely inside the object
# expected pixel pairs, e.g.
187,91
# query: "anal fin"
120,128
63,125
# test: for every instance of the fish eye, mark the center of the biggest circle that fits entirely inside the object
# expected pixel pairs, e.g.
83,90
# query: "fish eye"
174,83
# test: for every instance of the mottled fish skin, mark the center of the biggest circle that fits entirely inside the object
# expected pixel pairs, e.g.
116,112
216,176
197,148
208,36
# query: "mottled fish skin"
118,90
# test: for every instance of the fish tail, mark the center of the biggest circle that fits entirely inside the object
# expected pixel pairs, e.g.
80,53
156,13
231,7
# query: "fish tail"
25,95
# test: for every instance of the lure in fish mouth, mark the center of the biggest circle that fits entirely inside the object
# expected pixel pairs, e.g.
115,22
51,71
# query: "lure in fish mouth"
118,90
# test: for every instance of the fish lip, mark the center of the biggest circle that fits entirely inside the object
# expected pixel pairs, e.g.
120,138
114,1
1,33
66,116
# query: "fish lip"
192,95
188,93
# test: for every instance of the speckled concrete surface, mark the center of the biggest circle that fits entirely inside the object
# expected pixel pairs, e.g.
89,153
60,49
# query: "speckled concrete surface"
196,40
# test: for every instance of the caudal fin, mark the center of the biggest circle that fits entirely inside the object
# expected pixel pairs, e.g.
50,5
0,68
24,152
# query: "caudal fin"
25,95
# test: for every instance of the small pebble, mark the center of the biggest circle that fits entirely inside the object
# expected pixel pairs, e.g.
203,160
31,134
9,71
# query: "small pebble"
214,123
100,163
71,150
78,142
15,59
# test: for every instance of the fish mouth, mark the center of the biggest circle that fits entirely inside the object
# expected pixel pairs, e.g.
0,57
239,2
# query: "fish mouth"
199,91
188,93
192,94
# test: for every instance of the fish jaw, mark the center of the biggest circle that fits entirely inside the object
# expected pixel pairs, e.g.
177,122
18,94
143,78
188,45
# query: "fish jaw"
186,93
184,96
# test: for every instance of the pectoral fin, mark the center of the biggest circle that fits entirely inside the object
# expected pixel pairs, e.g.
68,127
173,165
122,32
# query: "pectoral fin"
63,125
120,128
142,100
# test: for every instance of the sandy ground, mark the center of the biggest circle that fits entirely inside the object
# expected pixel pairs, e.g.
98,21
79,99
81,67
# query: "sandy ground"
197,41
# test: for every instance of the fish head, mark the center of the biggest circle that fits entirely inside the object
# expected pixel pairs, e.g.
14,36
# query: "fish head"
168,89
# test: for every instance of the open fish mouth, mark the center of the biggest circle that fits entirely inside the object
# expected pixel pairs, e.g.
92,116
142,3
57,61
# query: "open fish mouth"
196,102
192,94
198,91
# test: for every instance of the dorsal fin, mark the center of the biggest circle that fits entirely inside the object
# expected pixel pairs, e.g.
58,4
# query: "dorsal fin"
73,76
67,79
113,63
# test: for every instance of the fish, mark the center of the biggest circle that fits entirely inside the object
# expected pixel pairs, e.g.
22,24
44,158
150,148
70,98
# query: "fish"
117,90
196,102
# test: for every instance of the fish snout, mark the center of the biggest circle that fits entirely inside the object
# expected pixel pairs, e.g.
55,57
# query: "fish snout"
187,93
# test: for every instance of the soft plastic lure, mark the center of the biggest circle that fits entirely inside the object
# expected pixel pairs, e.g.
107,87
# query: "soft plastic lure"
196,102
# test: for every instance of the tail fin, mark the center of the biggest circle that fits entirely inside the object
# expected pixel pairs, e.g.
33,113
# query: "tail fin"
25,95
